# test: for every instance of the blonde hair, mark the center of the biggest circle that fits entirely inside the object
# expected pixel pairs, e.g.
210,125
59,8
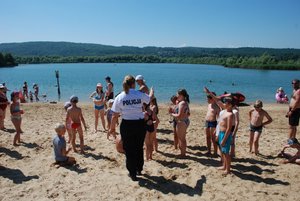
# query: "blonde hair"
59,126
128,82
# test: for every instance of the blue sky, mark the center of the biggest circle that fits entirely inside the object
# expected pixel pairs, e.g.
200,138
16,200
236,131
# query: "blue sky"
164,23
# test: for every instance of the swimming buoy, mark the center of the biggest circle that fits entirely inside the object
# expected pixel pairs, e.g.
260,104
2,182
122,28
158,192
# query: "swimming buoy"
238,97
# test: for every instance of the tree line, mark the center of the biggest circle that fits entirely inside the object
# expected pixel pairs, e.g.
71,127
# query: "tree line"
265,61
7,60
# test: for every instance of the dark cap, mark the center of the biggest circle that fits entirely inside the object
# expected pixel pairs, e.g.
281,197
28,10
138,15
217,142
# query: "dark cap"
107,78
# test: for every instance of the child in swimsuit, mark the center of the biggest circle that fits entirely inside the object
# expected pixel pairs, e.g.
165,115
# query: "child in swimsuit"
75,114
154,108
69,122
151,119
256,116
225,122
98,99
174,109
16,118
109,114
213,111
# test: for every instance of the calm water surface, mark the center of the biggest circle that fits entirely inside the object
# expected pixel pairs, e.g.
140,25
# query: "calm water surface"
81,79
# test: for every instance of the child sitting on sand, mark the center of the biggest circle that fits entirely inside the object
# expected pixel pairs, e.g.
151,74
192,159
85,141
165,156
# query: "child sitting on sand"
59,146
16,118
256,116
75,114
213,111
291,158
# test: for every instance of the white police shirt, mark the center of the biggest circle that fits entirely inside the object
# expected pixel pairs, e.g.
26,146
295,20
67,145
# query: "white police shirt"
130,105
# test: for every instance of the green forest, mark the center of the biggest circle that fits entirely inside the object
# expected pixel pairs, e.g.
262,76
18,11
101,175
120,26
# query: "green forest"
66,52
7,60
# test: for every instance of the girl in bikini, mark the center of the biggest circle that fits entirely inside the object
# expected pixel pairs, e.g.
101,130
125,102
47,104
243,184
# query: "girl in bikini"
151,119
181,115
98,99
16,118
154,108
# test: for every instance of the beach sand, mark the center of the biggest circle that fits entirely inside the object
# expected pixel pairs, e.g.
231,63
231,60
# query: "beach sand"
101,173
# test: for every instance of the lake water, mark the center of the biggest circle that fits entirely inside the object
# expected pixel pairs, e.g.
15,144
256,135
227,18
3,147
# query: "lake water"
81,79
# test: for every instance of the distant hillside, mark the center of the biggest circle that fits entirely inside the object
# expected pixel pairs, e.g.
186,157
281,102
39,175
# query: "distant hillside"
67,52
66,49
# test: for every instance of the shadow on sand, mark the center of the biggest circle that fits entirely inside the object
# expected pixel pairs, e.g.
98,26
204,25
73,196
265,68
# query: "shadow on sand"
166,186
9,130
258,179
172,164
98,156
164,131
16,175
12,154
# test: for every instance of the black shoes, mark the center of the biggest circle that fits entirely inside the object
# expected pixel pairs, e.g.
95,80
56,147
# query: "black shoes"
133,177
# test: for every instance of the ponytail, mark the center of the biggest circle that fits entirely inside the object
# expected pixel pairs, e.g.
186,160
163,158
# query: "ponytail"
128,82
184,93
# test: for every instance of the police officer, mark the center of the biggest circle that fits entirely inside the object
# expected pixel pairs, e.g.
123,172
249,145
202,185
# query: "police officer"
129,104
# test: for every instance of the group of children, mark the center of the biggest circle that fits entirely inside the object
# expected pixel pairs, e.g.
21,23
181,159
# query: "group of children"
221,126
222,121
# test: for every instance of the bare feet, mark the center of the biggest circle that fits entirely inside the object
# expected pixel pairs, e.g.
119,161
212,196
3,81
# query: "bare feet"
225,173
221,168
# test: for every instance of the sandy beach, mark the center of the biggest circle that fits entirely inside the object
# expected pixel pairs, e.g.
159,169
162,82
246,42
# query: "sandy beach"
101,173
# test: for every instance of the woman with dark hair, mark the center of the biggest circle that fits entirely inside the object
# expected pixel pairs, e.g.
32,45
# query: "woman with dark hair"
98,99
181,116
129,104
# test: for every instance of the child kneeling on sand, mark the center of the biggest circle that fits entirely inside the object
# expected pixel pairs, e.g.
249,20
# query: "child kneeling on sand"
59,146
291,157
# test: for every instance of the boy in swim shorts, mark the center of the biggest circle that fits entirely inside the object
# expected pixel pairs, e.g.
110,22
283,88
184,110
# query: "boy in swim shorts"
75,114
213,111
225,134
257,116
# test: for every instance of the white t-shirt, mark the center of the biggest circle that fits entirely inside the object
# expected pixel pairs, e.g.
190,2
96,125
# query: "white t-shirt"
130,105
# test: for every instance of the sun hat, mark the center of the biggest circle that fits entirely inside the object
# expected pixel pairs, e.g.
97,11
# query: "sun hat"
2,86
139,77
73,99
280,89
99,85
258,104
